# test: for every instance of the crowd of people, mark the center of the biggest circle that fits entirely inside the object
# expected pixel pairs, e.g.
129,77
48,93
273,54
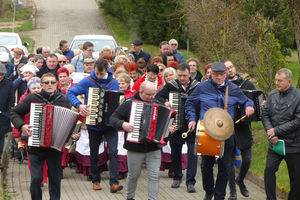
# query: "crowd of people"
63,77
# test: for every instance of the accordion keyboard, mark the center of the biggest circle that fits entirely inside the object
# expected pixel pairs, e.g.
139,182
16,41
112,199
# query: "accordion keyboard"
135,120
36,112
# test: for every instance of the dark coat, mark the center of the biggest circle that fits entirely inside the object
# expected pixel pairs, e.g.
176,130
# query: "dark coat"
281,111
21,86
23,60
243,134
45,70
198,76
164,94
121,115
7,97
23,108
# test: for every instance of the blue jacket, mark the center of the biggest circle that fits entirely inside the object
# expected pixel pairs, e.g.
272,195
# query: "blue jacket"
179,56
69,54
209,95
83,88
9,69
20,85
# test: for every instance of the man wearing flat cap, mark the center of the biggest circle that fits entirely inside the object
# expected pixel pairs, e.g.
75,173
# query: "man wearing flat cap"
210,94
89,65
136,50
6,102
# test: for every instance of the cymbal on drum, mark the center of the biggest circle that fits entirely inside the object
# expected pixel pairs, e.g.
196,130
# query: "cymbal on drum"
218,123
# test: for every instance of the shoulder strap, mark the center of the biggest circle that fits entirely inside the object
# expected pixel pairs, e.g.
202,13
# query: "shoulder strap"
77,60
174,83
242,83
46,100
89,77
43,99
94,81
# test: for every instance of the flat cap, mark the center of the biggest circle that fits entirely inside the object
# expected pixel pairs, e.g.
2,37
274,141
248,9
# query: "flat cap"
218,67
89,60
2,69
137,42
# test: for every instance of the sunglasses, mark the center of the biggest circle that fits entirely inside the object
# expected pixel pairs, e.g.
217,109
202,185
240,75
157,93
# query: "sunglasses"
62,61
173,44
161,70
49,82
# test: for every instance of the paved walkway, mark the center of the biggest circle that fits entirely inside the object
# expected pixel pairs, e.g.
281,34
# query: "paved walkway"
57,20
75,186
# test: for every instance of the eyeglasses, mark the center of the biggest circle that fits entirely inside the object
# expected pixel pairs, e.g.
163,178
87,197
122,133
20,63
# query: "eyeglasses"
173,44
62,61
161,70
49,82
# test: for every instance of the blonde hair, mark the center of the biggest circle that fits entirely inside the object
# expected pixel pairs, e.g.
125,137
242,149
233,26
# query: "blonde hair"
70,67
124,77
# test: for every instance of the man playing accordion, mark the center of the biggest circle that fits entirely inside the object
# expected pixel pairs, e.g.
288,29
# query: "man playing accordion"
138,152
181,88
38,155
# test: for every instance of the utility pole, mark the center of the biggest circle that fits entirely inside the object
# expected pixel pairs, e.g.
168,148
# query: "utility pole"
186,35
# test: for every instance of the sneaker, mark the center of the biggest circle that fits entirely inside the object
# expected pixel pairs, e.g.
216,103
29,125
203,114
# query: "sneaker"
96,186
176,183
115,187
243,188
191,189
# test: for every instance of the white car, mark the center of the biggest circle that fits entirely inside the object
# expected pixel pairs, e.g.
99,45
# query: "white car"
99,42
11,41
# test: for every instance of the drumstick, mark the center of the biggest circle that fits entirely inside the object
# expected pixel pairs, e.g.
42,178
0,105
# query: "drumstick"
237,121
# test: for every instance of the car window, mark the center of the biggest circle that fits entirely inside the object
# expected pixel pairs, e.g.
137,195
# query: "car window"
98,44
8,40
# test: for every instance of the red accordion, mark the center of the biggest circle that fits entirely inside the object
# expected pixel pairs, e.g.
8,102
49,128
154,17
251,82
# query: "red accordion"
51,125
150,121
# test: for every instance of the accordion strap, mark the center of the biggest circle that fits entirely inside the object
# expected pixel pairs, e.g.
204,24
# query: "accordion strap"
99,85
46,100
226,99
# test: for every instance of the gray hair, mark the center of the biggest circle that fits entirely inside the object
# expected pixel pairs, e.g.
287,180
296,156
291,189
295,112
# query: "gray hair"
288,74
193,59
173,40
170,69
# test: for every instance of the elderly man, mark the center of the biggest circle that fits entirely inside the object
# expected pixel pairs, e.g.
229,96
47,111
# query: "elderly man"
46,52
281,119
51,66
38,155
78,61
139,152
62,60
6,102
137,51
173,48
89,65
210,94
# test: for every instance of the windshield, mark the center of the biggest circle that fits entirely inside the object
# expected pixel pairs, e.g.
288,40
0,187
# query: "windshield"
98,44
8,40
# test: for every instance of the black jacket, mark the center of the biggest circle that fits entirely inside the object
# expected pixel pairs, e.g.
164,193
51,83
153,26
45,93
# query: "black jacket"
24,107
7,97
45,70
164,94
121,115
198,76
243,134
282,112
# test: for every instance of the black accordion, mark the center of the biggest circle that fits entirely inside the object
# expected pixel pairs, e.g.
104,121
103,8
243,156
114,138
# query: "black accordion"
257,96
102,105
150,121
177,101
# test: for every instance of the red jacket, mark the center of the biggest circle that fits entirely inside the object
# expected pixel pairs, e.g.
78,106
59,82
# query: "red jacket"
62,89
137,84
26,118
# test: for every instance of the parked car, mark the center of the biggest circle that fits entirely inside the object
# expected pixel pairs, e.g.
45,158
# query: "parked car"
5,50
11,41
99,42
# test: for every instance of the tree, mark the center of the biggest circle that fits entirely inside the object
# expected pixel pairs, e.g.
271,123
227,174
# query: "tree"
294,6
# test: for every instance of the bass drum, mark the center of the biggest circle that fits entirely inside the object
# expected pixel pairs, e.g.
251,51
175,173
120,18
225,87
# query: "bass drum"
205,144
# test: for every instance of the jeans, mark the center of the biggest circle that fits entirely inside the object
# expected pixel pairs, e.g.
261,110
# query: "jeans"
177,164
246,161
37,161
135,162
218,188
273,161
95,137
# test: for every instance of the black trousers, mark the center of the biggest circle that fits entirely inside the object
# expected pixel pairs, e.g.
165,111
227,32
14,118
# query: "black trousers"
293,163
95,138
177,162
37,161
224,163
246,162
